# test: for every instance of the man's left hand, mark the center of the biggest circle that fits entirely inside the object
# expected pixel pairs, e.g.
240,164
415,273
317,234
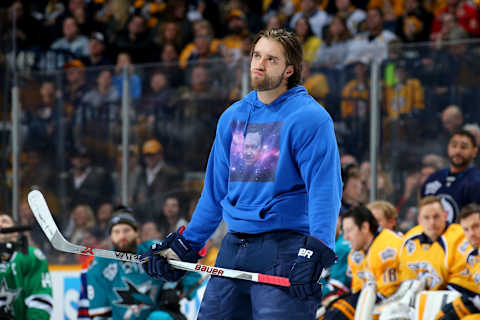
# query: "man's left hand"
310,266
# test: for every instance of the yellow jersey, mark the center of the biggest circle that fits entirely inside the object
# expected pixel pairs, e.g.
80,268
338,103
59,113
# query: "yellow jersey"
440,263
378,263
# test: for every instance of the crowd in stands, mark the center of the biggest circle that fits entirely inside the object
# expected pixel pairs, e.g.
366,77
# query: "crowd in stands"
184,63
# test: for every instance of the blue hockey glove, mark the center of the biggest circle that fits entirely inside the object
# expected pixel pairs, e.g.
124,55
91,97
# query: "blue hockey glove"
310,266
174,247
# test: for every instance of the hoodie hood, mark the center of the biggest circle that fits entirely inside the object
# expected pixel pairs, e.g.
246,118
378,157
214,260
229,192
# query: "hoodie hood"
252,97
254,103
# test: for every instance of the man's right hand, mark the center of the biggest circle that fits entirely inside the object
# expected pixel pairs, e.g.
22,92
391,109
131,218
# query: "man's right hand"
174,247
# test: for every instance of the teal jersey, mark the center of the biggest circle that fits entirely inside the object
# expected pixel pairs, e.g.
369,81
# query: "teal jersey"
122,290
26,286
338,271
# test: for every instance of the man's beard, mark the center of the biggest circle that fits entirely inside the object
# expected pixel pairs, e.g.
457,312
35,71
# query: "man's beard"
267,83
463,163
130,247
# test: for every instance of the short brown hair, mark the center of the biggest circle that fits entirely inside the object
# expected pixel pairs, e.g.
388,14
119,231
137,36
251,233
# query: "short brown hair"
469,210
428,200
387,208
293,51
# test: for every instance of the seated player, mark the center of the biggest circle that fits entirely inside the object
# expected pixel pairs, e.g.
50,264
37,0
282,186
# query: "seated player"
467,306
431,250
374,256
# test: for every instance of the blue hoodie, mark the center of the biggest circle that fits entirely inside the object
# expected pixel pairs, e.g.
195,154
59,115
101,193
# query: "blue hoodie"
291,182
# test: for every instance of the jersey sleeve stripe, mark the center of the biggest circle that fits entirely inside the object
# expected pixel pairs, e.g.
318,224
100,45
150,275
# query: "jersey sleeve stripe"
40,301
101,311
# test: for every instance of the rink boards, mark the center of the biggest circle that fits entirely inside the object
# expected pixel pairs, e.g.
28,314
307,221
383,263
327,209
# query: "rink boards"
66,291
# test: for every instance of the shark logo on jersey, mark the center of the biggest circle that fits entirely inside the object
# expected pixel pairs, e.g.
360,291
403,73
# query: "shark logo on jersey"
7,296
432,187
134,297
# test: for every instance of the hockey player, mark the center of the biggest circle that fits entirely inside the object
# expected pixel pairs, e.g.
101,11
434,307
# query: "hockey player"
374,256
25,283
122,290
431,251
459,184
467,306
281,216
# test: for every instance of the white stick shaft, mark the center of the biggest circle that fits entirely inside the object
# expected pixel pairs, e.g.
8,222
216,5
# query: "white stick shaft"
45,220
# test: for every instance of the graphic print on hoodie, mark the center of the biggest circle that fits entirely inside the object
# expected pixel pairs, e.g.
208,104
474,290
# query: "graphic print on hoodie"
254,151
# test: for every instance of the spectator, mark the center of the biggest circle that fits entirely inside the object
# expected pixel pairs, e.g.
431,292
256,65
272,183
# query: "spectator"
100,110
371,44
36,170
316,84
275,21
116,19
353,191
86,183
405,97
104,214
83,12
354,110
170,66
81,219
150,231
91,238
415,23
169,33
310,42
157,115
459,184
237,31
28,32
171,213
465,14
96,51
317,17
451,120
75,87
352,16
333,52
136,41
385,214
72,41
156,179
204,45
42,121
201,103
134,82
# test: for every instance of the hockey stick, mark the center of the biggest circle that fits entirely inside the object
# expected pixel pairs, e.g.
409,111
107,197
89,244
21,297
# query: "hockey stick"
44,218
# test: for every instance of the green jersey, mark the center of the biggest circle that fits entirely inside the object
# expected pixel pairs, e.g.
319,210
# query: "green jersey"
26,286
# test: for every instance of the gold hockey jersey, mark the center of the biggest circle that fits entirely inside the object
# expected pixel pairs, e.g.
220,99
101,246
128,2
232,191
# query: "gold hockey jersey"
473,269
440,263
379,263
